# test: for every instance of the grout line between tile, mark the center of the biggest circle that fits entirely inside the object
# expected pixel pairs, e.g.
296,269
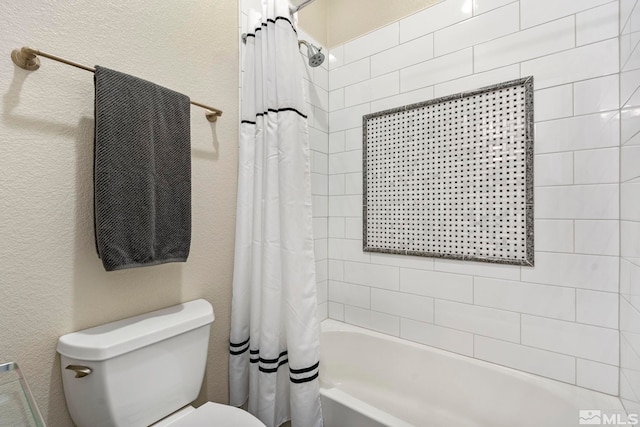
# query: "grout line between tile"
575,30
520,324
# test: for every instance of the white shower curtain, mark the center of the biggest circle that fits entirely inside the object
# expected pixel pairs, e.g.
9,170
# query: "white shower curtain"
274,345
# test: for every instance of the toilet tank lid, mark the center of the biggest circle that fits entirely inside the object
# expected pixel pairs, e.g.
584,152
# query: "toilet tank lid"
113,339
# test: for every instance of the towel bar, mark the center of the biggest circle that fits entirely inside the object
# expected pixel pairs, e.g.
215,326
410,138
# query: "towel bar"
27,59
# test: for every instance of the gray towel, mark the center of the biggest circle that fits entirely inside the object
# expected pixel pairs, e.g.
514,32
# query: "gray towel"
142,172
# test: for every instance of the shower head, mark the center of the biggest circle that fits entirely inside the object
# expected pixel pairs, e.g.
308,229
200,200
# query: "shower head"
316,57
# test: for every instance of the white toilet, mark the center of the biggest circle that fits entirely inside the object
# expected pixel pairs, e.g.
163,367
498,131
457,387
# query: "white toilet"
144,370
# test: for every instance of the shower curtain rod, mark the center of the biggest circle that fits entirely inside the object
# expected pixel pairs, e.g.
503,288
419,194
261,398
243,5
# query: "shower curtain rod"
27,59
301,5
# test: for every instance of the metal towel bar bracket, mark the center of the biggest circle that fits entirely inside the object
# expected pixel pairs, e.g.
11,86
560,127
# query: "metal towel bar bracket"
27,59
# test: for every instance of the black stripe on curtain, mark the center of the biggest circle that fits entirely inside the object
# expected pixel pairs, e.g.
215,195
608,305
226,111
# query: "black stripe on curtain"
276,111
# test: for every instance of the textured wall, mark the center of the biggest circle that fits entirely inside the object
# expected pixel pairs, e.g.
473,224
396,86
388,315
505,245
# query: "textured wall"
558,319
313,19
51,281
629,207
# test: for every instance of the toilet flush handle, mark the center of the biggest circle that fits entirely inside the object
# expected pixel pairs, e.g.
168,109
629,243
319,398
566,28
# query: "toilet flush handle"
81,371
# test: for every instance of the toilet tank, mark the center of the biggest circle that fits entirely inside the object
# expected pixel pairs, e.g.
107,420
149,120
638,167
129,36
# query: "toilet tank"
141,369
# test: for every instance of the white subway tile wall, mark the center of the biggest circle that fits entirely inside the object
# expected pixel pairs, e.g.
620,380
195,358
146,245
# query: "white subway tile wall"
578,133
439,16
402,99
557,302
597,376
527,44
454,287
629,304
630,244
596,95
470,32
597,308
554,235
559,318
316,86
577,202
573,65
482,6
572,338
554,103
436,70
436,336
477,80
403,304
401,56
553,169
587,166
630,206
597,237
489,322
536,12
529,359
597,24
317,94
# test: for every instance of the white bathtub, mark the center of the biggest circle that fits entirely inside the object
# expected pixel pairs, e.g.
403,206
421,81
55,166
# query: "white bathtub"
370,379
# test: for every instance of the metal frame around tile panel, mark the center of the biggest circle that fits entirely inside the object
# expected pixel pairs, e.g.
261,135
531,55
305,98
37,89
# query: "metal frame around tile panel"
528,258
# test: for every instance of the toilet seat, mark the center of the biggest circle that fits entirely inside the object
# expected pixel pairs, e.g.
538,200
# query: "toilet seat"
215,414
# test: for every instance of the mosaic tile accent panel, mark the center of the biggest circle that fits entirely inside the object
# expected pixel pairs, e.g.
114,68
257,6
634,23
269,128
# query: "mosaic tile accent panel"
452,177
